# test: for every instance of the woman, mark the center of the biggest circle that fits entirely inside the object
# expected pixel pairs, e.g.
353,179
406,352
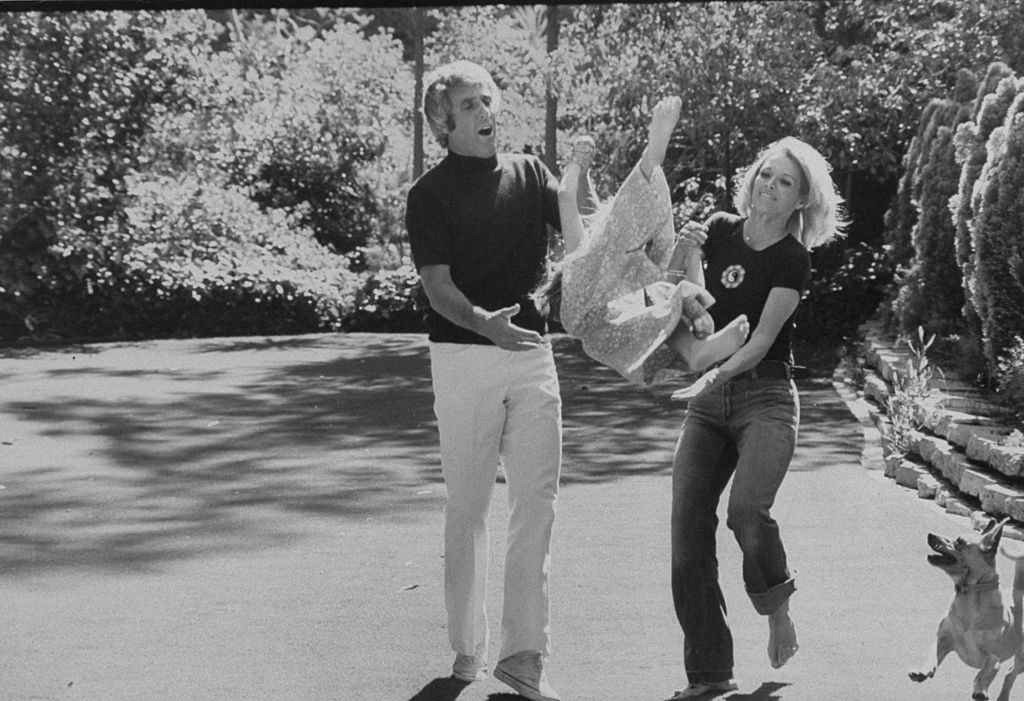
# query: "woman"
743,414
621,293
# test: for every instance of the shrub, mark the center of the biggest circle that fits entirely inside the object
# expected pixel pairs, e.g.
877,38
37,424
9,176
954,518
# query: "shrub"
192,258
388,300
994,98
932,293
1010,377
999,292
845,290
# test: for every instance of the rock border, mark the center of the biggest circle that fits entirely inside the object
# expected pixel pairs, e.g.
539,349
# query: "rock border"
957,456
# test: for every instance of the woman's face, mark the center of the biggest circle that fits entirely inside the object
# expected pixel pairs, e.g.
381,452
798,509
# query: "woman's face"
778,186
474,127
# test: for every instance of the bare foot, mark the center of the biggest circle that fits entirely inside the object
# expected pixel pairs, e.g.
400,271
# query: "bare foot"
720,345
568,206
781,637
663,122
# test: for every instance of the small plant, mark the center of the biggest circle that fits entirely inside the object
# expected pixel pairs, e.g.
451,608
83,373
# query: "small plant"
1014,440
908,390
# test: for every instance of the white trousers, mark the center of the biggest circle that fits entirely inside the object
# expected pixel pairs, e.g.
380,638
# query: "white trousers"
495,405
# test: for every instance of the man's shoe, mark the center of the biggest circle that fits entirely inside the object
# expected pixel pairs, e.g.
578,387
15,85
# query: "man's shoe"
704,689
524,672
469,668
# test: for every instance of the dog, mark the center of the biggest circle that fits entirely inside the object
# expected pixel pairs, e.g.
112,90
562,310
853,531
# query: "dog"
982,631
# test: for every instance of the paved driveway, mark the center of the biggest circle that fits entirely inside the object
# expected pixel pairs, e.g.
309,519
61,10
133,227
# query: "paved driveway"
250,518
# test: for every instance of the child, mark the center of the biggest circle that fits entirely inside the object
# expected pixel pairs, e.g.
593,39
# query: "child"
615,295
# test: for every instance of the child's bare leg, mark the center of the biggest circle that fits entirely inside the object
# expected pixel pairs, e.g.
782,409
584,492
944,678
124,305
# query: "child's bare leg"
702,354
575,193
586,195
568,209
663,122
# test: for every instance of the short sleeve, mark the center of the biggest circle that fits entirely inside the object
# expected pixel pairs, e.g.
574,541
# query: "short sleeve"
718,229
549,196
794,270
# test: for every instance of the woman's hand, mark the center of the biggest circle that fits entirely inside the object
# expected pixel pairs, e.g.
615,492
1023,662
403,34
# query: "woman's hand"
704,384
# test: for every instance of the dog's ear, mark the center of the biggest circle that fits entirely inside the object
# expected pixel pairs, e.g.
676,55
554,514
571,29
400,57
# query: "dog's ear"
991,535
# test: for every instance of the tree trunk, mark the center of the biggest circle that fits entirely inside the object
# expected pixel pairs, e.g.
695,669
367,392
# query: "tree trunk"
551,101
417,112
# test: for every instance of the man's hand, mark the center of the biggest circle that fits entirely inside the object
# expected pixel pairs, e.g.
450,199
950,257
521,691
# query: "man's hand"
498,327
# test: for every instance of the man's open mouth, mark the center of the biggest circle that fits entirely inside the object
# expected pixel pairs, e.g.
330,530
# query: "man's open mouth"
486,131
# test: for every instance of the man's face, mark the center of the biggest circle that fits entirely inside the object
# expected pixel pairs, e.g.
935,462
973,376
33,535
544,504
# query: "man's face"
474,132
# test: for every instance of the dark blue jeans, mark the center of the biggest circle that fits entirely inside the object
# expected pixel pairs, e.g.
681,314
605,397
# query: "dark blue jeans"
746,430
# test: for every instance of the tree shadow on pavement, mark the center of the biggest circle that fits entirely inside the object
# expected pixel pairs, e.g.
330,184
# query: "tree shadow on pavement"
137,454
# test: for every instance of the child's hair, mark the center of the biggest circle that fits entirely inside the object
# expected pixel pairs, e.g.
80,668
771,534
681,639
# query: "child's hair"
547,296
437,105
823,217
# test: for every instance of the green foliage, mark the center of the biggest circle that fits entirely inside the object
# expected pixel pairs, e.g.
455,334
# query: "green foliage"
496,37
969,143
933,291
160,187
909,389
388,300
997,283
301,118
847,285
1010,378
192,258
79,92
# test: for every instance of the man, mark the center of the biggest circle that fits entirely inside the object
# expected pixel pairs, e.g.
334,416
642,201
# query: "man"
477,226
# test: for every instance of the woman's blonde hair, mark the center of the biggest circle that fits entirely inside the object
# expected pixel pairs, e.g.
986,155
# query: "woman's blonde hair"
437,105
823,217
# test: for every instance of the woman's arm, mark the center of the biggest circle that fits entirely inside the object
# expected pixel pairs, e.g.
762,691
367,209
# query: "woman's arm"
782,302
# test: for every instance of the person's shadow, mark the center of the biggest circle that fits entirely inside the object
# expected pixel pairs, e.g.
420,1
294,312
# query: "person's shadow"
449,688
765,692
441,689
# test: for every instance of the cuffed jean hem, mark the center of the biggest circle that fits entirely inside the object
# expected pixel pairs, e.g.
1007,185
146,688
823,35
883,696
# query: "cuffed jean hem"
768,602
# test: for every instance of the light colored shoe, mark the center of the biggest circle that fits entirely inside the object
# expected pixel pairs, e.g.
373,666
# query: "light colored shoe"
699,689
524,672
469,668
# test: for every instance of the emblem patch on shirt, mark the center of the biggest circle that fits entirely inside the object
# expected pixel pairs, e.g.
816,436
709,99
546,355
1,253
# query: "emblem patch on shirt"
732,277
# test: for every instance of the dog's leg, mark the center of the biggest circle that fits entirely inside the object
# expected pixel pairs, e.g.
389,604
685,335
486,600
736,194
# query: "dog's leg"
943,646
984,678
1018,626
1009,679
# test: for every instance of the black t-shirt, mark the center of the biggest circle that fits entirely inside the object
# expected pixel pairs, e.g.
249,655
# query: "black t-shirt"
740,278
486,218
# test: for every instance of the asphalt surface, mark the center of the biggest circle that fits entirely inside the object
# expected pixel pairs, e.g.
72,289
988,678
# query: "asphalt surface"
260,518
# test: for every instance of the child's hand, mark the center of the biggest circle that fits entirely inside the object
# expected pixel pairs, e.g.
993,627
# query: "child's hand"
693,235
694,309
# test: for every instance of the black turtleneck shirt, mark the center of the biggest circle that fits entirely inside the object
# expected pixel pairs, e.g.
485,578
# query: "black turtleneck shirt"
486,219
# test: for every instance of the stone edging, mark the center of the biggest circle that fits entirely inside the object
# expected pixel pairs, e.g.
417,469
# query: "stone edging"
956,456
